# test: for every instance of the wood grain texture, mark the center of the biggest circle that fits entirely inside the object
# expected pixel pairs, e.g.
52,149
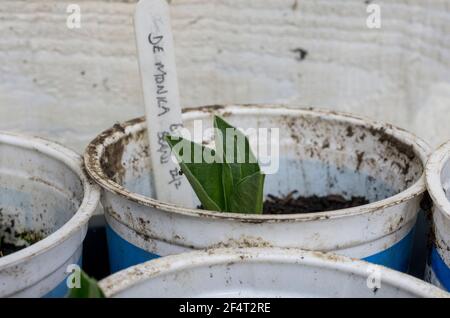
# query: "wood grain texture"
68,85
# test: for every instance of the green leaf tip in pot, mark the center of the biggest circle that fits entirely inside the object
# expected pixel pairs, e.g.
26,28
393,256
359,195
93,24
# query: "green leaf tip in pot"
88,288
225,179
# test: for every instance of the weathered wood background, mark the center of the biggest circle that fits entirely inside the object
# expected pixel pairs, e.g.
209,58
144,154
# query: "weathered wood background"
69,84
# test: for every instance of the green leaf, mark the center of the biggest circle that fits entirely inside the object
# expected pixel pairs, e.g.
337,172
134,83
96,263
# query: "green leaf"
228,179
247,196
236,149
205,178
227,184
88,288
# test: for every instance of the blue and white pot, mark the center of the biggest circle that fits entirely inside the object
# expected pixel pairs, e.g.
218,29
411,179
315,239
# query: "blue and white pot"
45,194
261,273
321,153
438,182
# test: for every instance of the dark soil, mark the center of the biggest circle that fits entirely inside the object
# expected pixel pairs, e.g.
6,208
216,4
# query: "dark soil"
30,237
6,249
291,204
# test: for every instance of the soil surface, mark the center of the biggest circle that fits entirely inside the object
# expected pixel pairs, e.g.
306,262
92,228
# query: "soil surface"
26,239
291,204
6,249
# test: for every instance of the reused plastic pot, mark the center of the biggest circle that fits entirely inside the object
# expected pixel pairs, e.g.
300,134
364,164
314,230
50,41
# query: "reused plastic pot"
322,152
44,196
263,272
438,182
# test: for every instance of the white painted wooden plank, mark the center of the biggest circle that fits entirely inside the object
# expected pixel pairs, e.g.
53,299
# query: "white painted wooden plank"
54,80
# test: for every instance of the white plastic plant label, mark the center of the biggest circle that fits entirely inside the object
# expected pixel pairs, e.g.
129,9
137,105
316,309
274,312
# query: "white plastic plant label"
162,102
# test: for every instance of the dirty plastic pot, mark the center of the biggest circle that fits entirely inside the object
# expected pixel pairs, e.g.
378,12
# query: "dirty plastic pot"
438,182
44,194
322,152
263,272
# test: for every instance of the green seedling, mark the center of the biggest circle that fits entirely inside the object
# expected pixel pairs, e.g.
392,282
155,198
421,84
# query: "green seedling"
227,178
88,288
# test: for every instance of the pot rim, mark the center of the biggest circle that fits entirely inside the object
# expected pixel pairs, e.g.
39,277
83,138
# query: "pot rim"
91,196
433,172
96,148
140,273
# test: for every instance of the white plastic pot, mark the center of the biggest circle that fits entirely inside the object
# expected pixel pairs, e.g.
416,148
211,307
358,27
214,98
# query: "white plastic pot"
263,272
438,182
43,192
322,153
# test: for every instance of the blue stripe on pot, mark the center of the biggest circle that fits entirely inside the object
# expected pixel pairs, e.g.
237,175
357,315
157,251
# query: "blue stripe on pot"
123,254
440,269
61,290
397,256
